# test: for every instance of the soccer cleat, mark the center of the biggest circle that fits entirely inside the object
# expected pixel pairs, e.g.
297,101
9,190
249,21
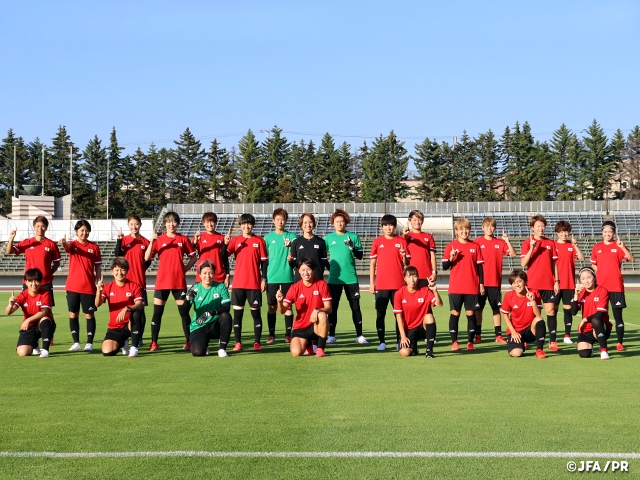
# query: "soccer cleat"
140,343
620,347
206,352
308,351
397,347
361,340
455,346
287,339
187,347
133,352
320,352
524,346
540,353
222,353
44,353
382,347
567,339
36,351
154,347
554,346
75,347
88,347
271,340
429,354
500,339
314,347
257,347
470,346
237,347
478,339
604,355
125,348
331,340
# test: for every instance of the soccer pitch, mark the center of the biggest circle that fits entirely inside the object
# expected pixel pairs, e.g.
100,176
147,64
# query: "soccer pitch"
348,415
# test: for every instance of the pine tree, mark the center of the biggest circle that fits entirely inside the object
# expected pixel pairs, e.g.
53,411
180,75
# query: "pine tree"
598,161
559,148
384,170
631,169
119,172
521,173
221,178
465,172
33,164
155,178
618,147
342,182
7,174
253,170
297,172
187,170
488,158
95,171
276,152
57,178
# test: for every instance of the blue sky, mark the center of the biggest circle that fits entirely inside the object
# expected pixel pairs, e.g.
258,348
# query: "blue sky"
358,69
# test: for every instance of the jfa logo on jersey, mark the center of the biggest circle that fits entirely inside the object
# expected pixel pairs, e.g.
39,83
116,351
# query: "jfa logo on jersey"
46,249
497,246
570,249
255,245
179,244
316,246
216,295
421,300
128,294
90,250
143,247
316,292
472,250
548,247
397,245
40,303
614,250
219,241
596,299
529,304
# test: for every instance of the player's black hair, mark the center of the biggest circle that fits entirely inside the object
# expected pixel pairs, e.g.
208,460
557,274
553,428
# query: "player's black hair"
42,219
205,264
134,217
517,273
211,216
308,262
171,216
82,223
411,270
33,274
121,262
609,223
389,220
247,218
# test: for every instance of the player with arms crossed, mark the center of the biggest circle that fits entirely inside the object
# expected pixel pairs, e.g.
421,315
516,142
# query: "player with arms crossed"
412,307
606,259
125,307
493,250
521,312
279,273
37,316
310,246
466,282
171,247
312,299
344,248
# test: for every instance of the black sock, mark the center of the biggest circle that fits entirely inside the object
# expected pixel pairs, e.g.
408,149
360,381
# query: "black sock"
356,316
552,320
183,310
598,327
288,323
143,323
498,330
271,322
91,329
46,333
257,325
322,342
380,314
74,325
237,324
617,315
541,330
136,320
453,327
156,321
225,329
333,320
431,336
568,320
472,327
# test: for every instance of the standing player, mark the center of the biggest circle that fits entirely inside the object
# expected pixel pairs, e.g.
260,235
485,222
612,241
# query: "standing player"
125,306
249,278
279,274
133,247
566,267
312,299
412,307
37,316
466,283
493,249
171,247
539,256
607,258
521,312
595,326
388,259
344,248
211,306
308,246
84,270
421,248
210,246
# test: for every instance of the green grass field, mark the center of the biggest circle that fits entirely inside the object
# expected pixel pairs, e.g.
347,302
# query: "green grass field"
354,400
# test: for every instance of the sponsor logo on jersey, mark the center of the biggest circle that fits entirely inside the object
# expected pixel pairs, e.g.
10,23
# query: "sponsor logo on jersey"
164,244
255,302
481,246
273,241
204,241
618,303
357,294
477,304
516,306
382,246
300,247
333,243
499,304
199,298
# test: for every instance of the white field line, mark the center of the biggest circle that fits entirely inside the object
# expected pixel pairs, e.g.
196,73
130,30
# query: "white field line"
188,453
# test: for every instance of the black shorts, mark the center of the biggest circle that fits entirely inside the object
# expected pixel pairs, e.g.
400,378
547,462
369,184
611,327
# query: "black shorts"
383,298
471,302
164,294
241,295
590,337
526,336
33,334
548,296
352,291
145,300
617,300
566,296
206,333
272,288
494,295
74,300
120,335
414,335
307,334
46,286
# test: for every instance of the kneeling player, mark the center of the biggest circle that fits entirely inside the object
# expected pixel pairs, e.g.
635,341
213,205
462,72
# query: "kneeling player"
211,307
125,305
595,325
37,317
312,299
412,306
521,312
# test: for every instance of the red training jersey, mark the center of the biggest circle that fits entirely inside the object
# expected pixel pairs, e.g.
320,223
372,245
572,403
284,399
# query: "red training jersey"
83,258
608,259
389,266
520,309
306,299
249,253
493,252
464,277
120,297
540,272
39,255
413,306
210,247
133,249
32,305
419,248
171,251
593,302
566,263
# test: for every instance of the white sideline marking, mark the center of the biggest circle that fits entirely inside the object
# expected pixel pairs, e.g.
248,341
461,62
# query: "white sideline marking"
189,453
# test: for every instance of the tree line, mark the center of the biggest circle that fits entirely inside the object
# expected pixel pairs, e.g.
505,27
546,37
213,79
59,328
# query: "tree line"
515,166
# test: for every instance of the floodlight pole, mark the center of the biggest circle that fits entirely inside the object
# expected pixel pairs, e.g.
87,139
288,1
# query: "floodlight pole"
15,186
71,183
107,188
42,192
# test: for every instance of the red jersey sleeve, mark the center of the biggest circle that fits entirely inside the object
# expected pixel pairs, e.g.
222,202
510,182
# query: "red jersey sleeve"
506,304
479,257
397,300
602,305
98,255
525,247
505,249
292,294
405,247
137,292
447,251
374,249
263,250
324,292
187,247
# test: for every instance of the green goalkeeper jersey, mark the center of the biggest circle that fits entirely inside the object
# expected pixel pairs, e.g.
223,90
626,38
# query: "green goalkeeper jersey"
207,300
342,262
278,269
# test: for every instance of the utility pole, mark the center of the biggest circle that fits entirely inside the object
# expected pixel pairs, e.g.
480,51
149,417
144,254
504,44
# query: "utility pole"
42,192
107,187
71,183
15,185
